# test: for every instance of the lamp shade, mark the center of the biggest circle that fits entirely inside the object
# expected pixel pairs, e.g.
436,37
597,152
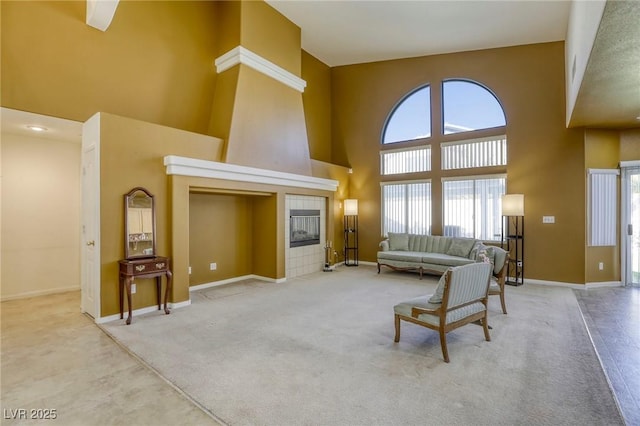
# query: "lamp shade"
513,205
350,207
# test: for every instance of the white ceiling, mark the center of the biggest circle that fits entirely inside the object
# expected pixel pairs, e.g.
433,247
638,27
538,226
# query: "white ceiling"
17,122
358,31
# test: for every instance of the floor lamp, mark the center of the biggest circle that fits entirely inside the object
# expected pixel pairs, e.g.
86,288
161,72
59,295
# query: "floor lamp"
351,232
513,236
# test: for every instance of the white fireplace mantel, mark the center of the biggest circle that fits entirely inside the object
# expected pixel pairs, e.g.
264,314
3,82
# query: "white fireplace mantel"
186,166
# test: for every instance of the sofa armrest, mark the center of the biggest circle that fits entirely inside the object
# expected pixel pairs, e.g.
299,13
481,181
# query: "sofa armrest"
384,245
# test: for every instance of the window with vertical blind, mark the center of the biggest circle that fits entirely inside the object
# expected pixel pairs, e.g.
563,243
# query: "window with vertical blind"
406,207
603,213
470,197
474,153
409,160
471,207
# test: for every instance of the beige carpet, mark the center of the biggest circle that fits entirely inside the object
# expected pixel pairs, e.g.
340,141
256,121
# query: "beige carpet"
319,350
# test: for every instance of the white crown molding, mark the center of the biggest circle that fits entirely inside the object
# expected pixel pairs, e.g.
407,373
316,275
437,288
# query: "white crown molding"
100,13
185,166
242,55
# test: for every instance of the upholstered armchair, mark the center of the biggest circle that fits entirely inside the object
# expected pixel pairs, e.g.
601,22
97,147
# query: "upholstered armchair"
461,298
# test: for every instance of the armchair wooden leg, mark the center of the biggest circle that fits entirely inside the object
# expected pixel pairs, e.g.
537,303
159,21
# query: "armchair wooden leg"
443,343
378,268
504,306
397,338
485,326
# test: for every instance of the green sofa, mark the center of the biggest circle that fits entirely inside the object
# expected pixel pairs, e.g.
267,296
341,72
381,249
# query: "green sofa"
434,254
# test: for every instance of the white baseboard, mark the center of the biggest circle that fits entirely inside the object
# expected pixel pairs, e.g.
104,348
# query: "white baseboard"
584,286
37,293
140,311
236,279
604,284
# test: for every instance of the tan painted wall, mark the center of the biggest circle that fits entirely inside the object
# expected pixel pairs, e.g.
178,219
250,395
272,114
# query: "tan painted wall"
265,31
546,160
267,127
602,151
317,107
40,216
630,145
154,63
220,231
131,154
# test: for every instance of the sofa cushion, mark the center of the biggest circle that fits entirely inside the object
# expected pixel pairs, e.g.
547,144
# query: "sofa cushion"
461,247
398,241
407,256
444,259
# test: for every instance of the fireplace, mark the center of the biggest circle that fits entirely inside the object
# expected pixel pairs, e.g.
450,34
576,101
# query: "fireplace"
304,228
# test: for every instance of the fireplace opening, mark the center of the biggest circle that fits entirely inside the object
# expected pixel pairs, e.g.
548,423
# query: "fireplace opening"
304,228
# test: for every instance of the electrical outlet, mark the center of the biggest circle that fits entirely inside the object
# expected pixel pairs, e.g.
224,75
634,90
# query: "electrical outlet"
189,270
548,219
213,266
133,288
601,266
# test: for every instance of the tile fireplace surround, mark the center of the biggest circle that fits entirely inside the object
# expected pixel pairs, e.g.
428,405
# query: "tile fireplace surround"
306,259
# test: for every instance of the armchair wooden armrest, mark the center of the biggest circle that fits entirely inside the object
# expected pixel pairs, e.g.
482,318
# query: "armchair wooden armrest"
416,311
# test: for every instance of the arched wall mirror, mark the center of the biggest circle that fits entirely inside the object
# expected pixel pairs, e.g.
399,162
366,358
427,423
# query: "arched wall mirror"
139,224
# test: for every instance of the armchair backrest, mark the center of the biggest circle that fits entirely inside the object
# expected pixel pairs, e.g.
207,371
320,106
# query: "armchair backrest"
466,284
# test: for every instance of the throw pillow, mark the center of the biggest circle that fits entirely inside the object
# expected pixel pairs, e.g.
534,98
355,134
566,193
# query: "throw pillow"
398,241
473,254
461,247
436,298
486,254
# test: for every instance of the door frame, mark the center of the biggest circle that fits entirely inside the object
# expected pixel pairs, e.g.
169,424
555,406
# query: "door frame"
625,251
90,279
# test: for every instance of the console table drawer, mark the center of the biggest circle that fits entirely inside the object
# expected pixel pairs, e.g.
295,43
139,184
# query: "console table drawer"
144,266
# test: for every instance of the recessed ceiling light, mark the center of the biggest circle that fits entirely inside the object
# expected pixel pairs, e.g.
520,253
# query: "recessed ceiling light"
37,128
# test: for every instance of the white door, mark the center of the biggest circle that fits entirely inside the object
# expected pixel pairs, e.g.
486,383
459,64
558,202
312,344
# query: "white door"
90,233
631,225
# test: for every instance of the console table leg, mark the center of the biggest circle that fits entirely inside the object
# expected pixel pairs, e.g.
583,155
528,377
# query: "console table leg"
167,291
158,291
127,283
121,287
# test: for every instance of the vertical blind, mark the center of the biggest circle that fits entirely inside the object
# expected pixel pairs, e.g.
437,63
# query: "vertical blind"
471,207
485,152
406,207
405,160
602,209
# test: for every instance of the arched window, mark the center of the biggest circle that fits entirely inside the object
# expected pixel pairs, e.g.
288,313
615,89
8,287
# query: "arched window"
410,119
470,200
467,106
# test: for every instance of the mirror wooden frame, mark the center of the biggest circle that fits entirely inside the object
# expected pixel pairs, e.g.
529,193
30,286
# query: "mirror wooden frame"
139,224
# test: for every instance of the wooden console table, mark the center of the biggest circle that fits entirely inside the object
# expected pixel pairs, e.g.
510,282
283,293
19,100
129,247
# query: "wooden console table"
150,267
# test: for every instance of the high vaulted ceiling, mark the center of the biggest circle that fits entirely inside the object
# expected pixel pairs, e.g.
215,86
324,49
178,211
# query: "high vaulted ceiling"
350,32
358,31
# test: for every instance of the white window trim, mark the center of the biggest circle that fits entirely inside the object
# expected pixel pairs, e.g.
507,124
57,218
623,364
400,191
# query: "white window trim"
475,177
